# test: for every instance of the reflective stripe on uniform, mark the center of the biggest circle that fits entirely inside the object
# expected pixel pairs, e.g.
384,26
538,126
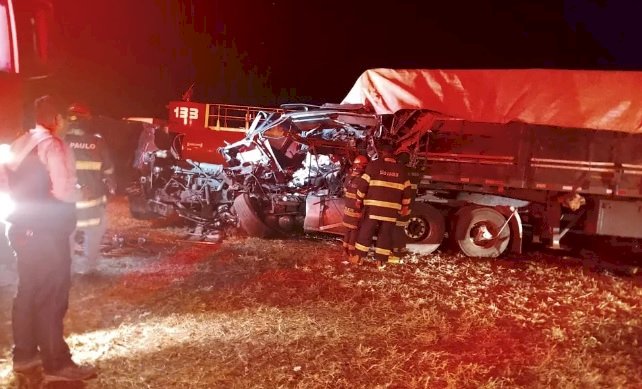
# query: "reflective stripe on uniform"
91,203
88,222
361,247
350,226
387,184
395,260
351,212
360,194
382,204
365,177
383,251
383,218
88,165
401,224
350,195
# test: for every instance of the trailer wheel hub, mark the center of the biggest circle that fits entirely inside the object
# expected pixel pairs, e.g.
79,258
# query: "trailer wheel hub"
417,228
482,235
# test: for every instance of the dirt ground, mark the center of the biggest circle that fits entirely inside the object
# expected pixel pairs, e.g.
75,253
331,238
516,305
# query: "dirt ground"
163,312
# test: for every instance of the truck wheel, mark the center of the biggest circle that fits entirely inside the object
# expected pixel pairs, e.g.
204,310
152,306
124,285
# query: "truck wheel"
245,207
426,229
476,232
139,208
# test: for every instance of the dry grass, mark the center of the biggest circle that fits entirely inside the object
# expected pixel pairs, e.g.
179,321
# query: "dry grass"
253,313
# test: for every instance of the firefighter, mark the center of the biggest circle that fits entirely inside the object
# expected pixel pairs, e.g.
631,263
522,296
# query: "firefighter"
95,172
414,174
42,183
352,216
384,194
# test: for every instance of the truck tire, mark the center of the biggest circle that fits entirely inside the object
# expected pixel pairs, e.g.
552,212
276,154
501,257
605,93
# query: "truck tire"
426,229
139,208
476,229
249,219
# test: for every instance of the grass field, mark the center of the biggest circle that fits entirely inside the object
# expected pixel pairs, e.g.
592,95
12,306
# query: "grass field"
291,313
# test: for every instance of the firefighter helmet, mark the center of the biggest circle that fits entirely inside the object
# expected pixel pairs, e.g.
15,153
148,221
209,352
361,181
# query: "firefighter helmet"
78,110
360,160
403,157
386,148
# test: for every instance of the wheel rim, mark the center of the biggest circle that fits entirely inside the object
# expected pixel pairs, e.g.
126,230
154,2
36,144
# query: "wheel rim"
483,234
417,229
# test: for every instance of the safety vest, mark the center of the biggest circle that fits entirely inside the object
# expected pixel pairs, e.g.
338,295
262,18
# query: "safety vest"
384,189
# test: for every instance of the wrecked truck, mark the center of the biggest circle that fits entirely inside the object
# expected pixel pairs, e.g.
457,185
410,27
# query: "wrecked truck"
180,171
290,160
284,176
289,170
507,153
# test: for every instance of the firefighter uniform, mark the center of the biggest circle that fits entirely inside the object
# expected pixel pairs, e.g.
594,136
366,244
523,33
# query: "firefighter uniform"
385,192
95,171
351,213
414,176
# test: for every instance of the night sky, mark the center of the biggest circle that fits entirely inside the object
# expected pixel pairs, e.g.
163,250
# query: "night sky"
131,57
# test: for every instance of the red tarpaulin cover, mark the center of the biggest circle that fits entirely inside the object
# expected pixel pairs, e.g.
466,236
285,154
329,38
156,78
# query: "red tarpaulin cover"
604,100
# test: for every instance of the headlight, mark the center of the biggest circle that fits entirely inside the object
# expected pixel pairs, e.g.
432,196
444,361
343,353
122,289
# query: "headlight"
6,206
6,155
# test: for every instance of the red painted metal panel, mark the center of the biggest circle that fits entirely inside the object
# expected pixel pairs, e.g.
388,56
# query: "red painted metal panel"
11,100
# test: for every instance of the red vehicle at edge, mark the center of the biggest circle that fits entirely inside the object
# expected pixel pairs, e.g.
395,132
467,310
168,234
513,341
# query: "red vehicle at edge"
25,35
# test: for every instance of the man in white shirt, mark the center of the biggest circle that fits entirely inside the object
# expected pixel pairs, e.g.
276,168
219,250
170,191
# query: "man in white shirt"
42,182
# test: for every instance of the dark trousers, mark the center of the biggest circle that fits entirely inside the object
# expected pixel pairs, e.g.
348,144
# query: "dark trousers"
383,230
399,239
399,236
92,239
349,239
40,304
